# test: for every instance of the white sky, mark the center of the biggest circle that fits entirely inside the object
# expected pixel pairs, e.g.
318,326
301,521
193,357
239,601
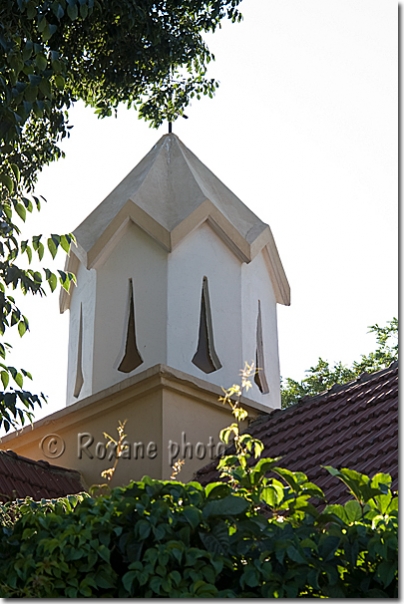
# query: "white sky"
304,130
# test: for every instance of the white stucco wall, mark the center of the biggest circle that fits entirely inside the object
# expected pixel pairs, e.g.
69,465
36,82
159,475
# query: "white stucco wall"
203,253
82,295
167,297
138,257
256,285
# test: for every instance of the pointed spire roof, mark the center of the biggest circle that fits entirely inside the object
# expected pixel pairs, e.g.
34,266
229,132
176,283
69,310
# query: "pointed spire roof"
168,194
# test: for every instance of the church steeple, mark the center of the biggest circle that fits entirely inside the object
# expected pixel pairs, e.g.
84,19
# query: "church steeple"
198,262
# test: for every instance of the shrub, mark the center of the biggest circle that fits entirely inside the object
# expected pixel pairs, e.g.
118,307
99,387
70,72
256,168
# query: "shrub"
253,536
167,539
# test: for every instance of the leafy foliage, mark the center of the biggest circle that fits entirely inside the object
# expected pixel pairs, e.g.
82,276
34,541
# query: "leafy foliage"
322,376
16,403
253,536
105,52
166,539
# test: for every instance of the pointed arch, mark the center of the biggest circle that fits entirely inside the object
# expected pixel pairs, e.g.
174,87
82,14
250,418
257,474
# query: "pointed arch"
260,377
79,368
131,358
205,357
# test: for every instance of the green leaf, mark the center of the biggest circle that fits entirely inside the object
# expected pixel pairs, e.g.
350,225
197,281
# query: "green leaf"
65,242
353,511
22,328
327,546
27,51
51,279
143,529
250,577
358,484
312,578
83,11
34,79
31,11
21,211
7,181
45,88
386,572
15,317
192,515
60,81
128,580
295,555
104,553
309,488
16,171
155,584
258,447
224,435
381,481
52,247
72,278
272,495
19,380
28,204
41,62
73,12
57,66
231,505
265,465
5,378
25,248
42,22
35,241
291,478
48,32
217,490
216,541
228,461
41,251
104,580
58,10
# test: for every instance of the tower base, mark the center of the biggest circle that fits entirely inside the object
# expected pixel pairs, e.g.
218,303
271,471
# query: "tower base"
169,415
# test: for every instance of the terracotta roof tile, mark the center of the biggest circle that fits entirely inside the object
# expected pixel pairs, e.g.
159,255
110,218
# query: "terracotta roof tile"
354,425
22,477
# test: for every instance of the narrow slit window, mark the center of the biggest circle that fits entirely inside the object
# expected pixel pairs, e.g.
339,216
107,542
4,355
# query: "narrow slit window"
260,377
205,357
79,369
131,358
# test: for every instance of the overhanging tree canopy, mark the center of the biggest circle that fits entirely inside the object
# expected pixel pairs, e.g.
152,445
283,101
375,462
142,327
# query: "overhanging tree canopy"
147,54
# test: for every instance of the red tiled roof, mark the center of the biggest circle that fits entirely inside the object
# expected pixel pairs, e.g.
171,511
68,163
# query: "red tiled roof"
22,477
354,426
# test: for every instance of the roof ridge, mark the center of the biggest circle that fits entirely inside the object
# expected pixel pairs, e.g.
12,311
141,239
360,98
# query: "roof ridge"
362,378
304,400
196,167
41,463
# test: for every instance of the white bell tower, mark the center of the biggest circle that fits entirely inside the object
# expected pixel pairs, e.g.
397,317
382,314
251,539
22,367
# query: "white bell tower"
173,269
